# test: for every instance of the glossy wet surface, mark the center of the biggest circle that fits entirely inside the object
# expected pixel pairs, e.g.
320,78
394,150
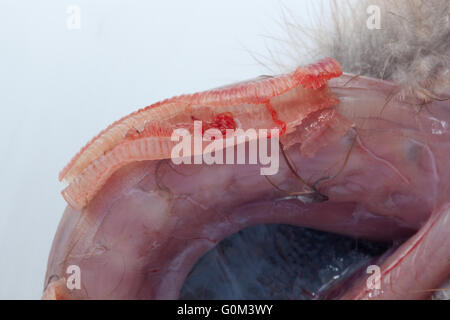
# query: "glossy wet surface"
277,262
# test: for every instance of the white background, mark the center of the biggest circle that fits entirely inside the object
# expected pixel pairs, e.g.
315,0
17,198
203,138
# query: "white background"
60,87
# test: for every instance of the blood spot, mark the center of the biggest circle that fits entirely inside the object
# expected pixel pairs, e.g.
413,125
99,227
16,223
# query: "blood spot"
223,121
280,124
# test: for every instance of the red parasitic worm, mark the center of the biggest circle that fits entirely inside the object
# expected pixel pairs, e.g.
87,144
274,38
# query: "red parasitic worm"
144,134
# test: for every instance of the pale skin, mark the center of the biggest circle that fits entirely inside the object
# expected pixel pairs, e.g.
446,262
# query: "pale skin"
388,179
